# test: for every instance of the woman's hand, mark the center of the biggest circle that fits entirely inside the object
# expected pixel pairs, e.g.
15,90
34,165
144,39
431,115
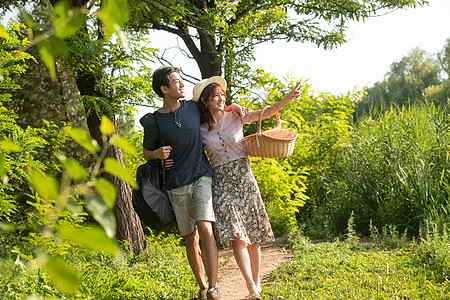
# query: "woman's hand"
238,111
295,92
271,110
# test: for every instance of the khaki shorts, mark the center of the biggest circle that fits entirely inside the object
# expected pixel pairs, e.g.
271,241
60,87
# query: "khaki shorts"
192,203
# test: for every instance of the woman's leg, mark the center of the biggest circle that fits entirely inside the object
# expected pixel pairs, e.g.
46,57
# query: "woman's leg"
254,252
243,261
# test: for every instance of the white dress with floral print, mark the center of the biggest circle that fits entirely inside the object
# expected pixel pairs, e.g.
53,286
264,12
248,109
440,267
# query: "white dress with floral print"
237,201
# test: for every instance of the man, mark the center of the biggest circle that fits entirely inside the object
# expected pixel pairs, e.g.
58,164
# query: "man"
189,177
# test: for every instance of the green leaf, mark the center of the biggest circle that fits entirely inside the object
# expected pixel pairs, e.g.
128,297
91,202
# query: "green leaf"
47,58
2,168
76,171
83,138
7,145
3,33
93,237
113,167
64,276
107,190
26,18
114,14
75,209
68,21
106,126
123,144
50,48
102,213
47,187
7,227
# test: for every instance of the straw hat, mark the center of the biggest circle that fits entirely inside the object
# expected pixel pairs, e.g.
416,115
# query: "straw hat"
202,84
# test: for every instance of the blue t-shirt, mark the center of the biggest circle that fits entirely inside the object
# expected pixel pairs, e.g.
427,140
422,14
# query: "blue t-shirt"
189,159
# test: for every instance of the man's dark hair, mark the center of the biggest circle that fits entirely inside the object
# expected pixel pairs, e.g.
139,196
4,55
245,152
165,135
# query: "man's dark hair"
161,77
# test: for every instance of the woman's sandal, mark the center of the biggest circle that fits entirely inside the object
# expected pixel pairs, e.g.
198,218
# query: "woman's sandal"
253,296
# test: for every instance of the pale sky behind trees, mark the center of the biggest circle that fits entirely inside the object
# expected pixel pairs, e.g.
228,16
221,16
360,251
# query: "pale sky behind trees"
371,48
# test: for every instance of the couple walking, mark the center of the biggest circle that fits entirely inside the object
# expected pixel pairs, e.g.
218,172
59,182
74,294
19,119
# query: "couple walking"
221,191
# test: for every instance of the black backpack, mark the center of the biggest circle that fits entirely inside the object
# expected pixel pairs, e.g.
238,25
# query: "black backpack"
150,201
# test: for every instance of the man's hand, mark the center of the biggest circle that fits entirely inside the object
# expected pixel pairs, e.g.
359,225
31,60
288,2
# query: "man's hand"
160,153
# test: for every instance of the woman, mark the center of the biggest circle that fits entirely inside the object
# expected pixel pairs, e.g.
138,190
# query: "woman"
241,218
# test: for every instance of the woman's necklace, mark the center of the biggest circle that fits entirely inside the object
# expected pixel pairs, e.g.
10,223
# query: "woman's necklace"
172,116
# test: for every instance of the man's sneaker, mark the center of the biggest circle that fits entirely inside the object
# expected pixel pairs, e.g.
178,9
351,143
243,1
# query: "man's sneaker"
213,294
203,294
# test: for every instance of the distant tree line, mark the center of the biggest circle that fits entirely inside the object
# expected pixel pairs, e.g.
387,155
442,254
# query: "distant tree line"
416,78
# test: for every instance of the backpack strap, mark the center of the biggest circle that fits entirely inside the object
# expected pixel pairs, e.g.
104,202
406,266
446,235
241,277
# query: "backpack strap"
164,184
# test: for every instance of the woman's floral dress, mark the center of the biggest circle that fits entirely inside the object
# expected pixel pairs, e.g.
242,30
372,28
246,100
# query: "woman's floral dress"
237,202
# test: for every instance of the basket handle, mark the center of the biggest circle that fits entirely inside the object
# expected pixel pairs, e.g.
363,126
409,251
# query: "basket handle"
258,133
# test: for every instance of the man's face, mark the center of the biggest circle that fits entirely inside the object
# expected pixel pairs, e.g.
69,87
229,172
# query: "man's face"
176,86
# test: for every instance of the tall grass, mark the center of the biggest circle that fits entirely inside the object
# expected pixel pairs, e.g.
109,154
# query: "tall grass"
392,170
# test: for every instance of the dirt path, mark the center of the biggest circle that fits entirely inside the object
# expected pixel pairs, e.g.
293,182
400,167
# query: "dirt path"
232,284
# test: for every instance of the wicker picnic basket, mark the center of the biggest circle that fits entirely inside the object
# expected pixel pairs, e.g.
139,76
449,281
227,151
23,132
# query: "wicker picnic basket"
274,143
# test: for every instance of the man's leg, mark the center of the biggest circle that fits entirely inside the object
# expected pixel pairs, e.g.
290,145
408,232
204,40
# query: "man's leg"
195,258
209,251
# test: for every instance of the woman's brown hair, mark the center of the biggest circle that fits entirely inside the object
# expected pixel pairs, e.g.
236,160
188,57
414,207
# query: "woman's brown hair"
206,95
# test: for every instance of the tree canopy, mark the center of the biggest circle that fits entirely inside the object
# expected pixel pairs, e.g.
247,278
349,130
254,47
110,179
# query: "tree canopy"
221,35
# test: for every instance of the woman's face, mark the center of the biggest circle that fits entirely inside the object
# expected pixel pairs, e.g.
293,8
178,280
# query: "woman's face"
217,100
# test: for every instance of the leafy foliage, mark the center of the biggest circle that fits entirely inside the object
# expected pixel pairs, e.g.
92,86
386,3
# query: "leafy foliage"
283,192
163,274
433,250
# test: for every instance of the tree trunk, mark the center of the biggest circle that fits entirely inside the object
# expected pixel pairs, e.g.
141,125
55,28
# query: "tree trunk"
128,226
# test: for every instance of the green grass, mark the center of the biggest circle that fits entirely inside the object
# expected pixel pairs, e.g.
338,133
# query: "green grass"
165,275
387,267
344,270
